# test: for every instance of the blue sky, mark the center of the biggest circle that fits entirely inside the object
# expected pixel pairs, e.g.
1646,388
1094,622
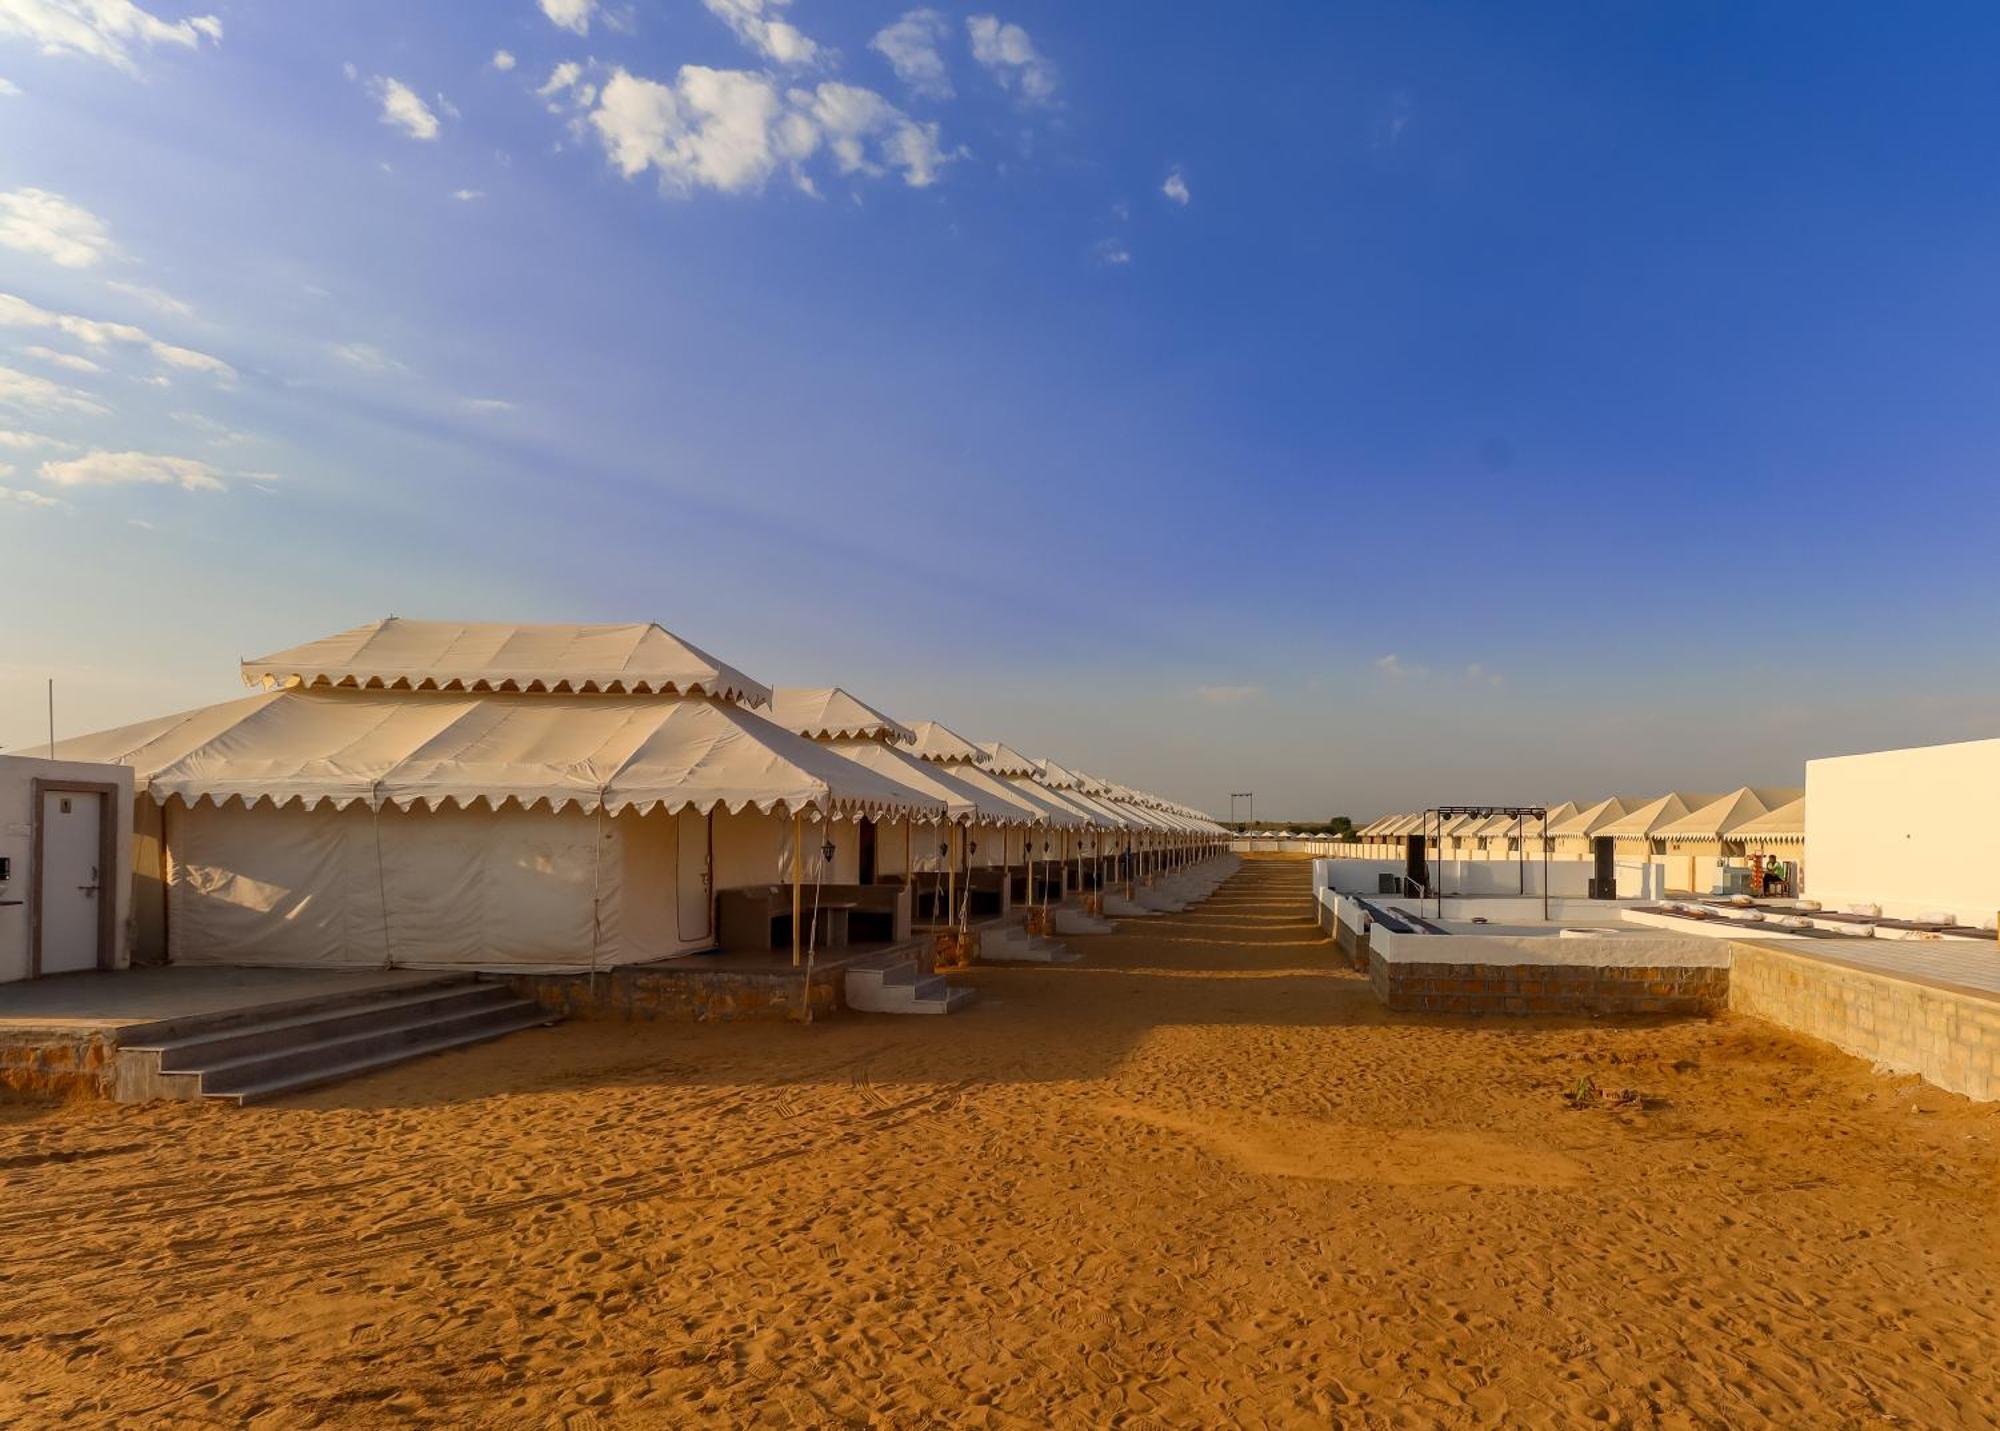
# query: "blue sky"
1364,405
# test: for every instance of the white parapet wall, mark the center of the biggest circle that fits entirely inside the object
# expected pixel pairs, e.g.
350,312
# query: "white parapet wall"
1913,831
1567,879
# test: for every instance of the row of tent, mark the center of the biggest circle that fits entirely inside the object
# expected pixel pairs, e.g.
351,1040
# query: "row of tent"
443,794
1746,820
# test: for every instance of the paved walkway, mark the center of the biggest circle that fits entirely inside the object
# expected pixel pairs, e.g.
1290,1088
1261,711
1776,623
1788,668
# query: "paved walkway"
1968,965
123,997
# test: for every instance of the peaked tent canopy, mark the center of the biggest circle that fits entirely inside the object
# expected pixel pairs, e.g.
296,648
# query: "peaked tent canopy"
432,749
1653,814
399,654
938,742
1785,825
1720,817
830,713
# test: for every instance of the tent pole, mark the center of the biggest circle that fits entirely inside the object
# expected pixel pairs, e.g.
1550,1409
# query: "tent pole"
798,882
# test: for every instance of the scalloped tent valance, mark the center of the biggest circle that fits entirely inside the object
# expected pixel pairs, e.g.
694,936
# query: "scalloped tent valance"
830,713
436,750
639,658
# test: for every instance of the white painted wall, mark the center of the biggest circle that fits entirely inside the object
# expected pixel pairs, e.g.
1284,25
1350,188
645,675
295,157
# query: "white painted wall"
1911,830
18,774
1568,879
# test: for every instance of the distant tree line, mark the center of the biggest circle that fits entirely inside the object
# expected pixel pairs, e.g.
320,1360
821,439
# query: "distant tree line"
1338,828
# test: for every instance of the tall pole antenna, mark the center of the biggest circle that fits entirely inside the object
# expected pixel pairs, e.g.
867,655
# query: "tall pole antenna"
52,717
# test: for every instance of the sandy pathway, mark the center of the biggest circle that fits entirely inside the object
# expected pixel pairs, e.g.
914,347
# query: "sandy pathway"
1200,1178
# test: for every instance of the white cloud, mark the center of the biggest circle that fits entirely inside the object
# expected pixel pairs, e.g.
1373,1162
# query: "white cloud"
1396,669
24,497
911,46
564,77
21,440
56,358
403,108
1011,57
367,357
151,297
98,468
730,130
1176,186
468,195
571,15
349,71
9,90
39,222
219,434
503,60
777,40
1478,675
1113,253
101,29
27,392
1227,695
494,405
17,312
865,133
191,361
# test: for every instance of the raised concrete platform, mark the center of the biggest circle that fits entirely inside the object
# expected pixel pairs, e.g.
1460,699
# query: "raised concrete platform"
235,1033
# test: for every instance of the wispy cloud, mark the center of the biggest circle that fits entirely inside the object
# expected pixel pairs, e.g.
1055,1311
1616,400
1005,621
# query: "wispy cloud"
466,196
46,224
27,392
365,357
1175,187
503,60
403,108
1010,56
23,497
98,468
153,298
486,404
17,312
730,130
103,30
913,46
74,362
1397,669
1112,253
754,23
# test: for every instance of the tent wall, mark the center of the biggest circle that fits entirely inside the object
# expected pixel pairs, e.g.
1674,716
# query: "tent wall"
475,889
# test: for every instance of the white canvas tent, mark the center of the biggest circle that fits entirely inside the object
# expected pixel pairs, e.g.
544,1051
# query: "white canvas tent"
564,815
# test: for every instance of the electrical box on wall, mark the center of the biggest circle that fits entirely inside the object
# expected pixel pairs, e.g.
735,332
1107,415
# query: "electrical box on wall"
6,868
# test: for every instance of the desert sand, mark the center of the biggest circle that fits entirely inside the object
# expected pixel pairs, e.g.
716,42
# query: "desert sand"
1198,1179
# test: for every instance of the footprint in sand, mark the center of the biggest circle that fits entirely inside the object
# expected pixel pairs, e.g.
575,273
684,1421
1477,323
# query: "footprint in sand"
1336,1152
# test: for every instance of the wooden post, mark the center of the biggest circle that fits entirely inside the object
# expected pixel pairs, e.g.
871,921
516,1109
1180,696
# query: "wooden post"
798,884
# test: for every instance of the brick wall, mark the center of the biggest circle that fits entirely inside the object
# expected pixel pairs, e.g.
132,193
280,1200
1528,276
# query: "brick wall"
1950,1037
1547,988
56,1062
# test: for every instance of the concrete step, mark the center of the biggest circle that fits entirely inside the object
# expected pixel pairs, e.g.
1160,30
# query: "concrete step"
206,1049
306,1046
295,1082
899,986
1120,907
1015,945
1075,921
419,1029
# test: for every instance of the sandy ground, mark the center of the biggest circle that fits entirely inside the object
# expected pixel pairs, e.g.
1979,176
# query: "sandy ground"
1199,1179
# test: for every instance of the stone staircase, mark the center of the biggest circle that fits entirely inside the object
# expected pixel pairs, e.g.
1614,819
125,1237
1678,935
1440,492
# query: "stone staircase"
246,1061
892,983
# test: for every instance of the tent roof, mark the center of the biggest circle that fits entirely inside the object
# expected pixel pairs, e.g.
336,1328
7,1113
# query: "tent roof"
1005,760
936,741
408,748
964,800
1030,811
1057,778
1784,825
399,654
1716,819
825,712
1591,819
1650,815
